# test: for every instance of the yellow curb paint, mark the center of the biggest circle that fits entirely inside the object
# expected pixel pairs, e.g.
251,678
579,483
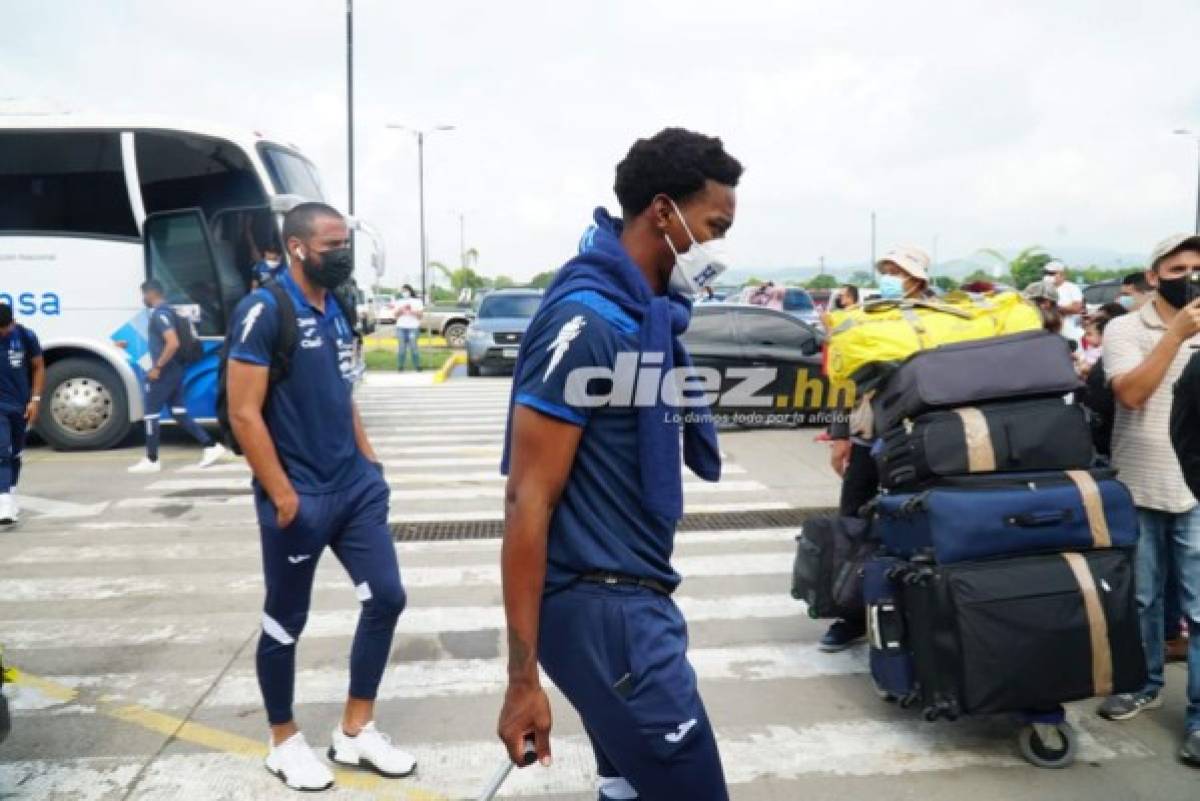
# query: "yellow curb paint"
216,739
455,360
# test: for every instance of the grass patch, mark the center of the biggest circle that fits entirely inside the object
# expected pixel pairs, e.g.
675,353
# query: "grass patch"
385,358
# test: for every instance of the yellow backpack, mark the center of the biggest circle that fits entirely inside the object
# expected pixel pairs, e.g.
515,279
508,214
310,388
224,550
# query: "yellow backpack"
889,331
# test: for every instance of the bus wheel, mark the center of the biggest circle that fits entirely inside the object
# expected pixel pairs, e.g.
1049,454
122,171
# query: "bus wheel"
84,406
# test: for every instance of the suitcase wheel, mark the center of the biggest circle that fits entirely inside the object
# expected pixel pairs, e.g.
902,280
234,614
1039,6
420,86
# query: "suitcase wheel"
1048,745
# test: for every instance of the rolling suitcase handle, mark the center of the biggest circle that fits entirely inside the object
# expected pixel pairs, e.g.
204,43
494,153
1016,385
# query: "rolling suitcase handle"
505,768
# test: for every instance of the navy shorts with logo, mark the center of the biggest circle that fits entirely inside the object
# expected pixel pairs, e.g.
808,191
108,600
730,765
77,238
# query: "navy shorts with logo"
619,655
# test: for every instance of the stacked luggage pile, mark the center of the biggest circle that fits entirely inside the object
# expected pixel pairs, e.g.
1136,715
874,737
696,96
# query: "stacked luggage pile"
1000,577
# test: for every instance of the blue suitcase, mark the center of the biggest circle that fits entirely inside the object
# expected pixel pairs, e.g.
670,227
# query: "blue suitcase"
890,658
976,517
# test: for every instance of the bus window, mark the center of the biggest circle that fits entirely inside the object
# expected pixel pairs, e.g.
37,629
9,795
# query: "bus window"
292,174
184,171
179,254
64,182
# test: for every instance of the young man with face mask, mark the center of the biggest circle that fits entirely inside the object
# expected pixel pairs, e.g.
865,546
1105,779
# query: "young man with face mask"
594,491
268,267
1145,353
904,275
164,383
317,484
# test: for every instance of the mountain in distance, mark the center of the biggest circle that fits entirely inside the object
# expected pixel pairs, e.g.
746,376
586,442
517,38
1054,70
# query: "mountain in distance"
958,268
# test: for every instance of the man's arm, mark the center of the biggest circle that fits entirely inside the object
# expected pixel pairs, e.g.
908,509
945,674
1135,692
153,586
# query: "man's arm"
38,363
543,450
360,437
1134,387
170,347
246,386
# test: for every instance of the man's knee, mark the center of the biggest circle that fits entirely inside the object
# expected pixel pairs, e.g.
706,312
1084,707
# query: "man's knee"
384,599
284,629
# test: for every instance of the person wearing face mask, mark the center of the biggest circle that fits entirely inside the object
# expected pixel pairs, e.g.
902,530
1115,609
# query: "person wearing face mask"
904,275
1145,353
317,484
1135,291
164,383
268,267
594,489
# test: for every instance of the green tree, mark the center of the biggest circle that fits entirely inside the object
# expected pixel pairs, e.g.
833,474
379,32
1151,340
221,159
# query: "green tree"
978,275
945,283
823,281
460,279
502,281
1025,267
862,278
543,280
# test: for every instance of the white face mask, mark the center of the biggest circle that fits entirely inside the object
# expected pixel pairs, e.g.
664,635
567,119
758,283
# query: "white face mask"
699,266
272,263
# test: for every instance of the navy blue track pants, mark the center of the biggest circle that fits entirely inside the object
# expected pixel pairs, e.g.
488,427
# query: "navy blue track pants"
619,655
353,523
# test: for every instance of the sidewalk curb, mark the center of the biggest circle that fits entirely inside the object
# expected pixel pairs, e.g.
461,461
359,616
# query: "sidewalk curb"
456,359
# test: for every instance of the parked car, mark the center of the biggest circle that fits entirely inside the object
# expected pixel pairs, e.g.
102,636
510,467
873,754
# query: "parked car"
728,335
494,336
384,313
1101,292
365,307
449,320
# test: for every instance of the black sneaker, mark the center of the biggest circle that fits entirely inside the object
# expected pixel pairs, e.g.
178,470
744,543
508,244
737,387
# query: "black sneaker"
1128,705
1189,752
842,634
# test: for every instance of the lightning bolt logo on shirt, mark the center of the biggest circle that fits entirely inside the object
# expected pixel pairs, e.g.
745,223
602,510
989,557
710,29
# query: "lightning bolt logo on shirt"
250,319
571,329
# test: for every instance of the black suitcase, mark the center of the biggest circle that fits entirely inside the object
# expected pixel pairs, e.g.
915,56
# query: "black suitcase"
827,573
1028,365
1012,436
1023,634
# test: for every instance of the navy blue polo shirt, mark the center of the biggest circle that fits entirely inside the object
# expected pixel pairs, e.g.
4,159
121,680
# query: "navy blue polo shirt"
15,391
600,523
162,320
261,271
310,411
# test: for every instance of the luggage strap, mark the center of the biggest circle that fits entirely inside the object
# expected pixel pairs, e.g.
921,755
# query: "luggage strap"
1093,507
1102,667
981,455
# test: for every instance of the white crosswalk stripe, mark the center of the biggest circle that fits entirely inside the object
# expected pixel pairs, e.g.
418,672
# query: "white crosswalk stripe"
98,605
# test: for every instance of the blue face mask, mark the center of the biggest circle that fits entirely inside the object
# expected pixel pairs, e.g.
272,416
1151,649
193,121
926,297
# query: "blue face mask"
891,287
1126,301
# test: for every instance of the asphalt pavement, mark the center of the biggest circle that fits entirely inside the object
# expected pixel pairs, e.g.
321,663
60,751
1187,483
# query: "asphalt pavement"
131,604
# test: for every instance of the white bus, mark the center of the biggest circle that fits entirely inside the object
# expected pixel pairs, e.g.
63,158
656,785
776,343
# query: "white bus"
90,208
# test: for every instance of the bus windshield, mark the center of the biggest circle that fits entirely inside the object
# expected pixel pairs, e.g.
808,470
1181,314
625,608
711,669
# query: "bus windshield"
291,173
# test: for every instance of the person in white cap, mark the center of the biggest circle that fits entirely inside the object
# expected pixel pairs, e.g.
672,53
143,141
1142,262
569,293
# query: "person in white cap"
904,274
1145,353
1070,299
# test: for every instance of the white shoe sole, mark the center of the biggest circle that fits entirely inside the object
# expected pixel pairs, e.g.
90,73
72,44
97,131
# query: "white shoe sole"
279,774
368,765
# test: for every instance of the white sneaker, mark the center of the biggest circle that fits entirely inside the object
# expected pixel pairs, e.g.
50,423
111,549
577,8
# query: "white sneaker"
295,764
212,455
16,507
8,509
371,749
146,466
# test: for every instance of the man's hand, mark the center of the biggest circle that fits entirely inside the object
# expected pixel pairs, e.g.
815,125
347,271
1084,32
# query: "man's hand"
154,373
526,712
31,412
287,506
839,456
1186,322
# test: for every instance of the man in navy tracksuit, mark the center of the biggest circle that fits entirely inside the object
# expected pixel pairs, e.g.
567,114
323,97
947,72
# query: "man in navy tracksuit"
594,489
165,383
22,376
317,483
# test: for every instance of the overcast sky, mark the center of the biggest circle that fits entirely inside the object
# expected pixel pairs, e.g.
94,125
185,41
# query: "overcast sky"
980,123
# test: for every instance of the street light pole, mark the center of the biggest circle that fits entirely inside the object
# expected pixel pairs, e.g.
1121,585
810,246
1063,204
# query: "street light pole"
350,97
420,134
1194,135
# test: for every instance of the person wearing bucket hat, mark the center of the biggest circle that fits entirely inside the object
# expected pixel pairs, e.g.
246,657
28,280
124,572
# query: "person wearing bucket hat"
1044,295
1145,354
904,275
